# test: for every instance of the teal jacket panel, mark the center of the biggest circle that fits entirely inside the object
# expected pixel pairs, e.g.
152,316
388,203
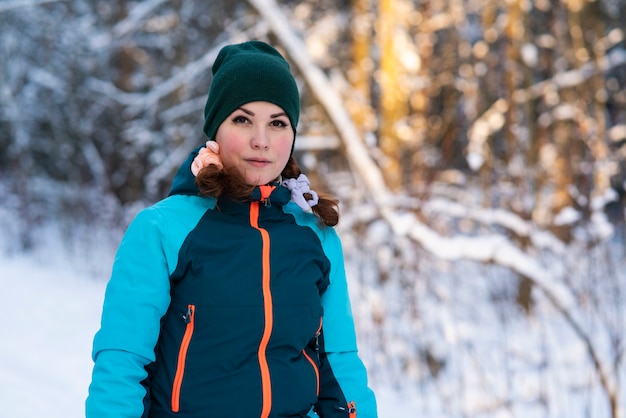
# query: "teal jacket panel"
340,345
136,298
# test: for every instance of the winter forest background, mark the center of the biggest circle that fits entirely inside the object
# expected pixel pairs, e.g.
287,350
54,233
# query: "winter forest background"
477,147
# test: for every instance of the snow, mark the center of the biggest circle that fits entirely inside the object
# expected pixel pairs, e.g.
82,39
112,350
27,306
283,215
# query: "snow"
568,215
50,311
49,317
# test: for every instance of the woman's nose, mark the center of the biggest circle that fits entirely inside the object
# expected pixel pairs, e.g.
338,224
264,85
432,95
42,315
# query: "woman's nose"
259,139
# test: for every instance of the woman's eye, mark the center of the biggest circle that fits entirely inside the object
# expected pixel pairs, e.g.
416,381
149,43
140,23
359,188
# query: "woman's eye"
240,119
278,123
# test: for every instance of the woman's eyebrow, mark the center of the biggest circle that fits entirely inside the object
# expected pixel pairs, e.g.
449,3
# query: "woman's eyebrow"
251,113
246,111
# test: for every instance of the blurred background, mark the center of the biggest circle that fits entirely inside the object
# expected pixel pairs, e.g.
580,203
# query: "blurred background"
477,147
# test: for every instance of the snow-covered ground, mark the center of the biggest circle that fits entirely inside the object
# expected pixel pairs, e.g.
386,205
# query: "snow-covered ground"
49,311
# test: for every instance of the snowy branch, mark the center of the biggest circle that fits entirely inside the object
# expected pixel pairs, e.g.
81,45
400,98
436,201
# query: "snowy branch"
136,17
572,78
499,217
12,5
136,102
190,71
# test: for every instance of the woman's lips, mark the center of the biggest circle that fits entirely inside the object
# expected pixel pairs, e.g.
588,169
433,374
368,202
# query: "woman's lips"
257,162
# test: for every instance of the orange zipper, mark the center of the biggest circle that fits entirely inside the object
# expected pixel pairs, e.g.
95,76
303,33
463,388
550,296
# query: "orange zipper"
315,368
182,357
266,383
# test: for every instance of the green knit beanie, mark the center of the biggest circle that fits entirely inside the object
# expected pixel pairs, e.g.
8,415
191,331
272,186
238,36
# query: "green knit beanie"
248,72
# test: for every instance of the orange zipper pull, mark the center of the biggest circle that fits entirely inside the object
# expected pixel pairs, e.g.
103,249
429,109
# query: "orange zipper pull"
266,191
352,409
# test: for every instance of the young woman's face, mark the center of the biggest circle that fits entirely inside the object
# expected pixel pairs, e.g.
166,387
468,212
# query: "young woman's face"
256,139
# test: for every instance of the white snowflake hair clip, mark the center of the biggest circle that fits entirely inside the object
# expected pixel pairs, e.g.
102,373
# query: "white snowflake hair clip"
298,187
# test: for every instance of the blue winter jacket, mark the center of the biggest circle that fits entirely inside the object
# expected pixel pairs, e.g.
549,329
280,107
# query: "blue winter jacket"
221,308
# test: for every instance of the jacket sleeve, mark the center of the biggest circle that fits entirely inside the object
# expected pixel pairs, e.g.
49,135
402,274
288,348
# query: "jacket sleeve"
343,377
136,298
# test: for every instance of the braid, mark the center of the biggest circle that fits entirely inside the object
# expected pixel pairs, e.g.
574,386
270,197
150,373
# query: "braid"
214,182
327,207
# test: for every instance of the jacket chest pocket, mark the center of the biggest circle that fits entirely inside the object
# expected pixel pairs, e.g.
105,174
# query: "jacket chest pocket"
312,353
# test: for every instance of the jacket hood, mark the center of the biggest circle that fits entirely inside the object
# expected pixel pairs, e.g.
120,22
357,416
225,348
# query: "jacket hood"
184,181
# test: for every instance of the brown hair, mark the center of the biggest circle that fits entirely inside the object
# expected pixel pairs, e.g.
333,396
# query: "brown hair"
214,182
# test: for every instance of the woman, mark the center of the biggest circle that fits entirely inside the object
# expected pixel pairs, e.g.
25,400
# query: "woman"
229,298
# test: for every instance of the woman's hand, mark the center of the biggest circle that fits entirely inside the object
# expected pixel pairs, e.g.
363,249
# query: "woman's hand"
208,155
